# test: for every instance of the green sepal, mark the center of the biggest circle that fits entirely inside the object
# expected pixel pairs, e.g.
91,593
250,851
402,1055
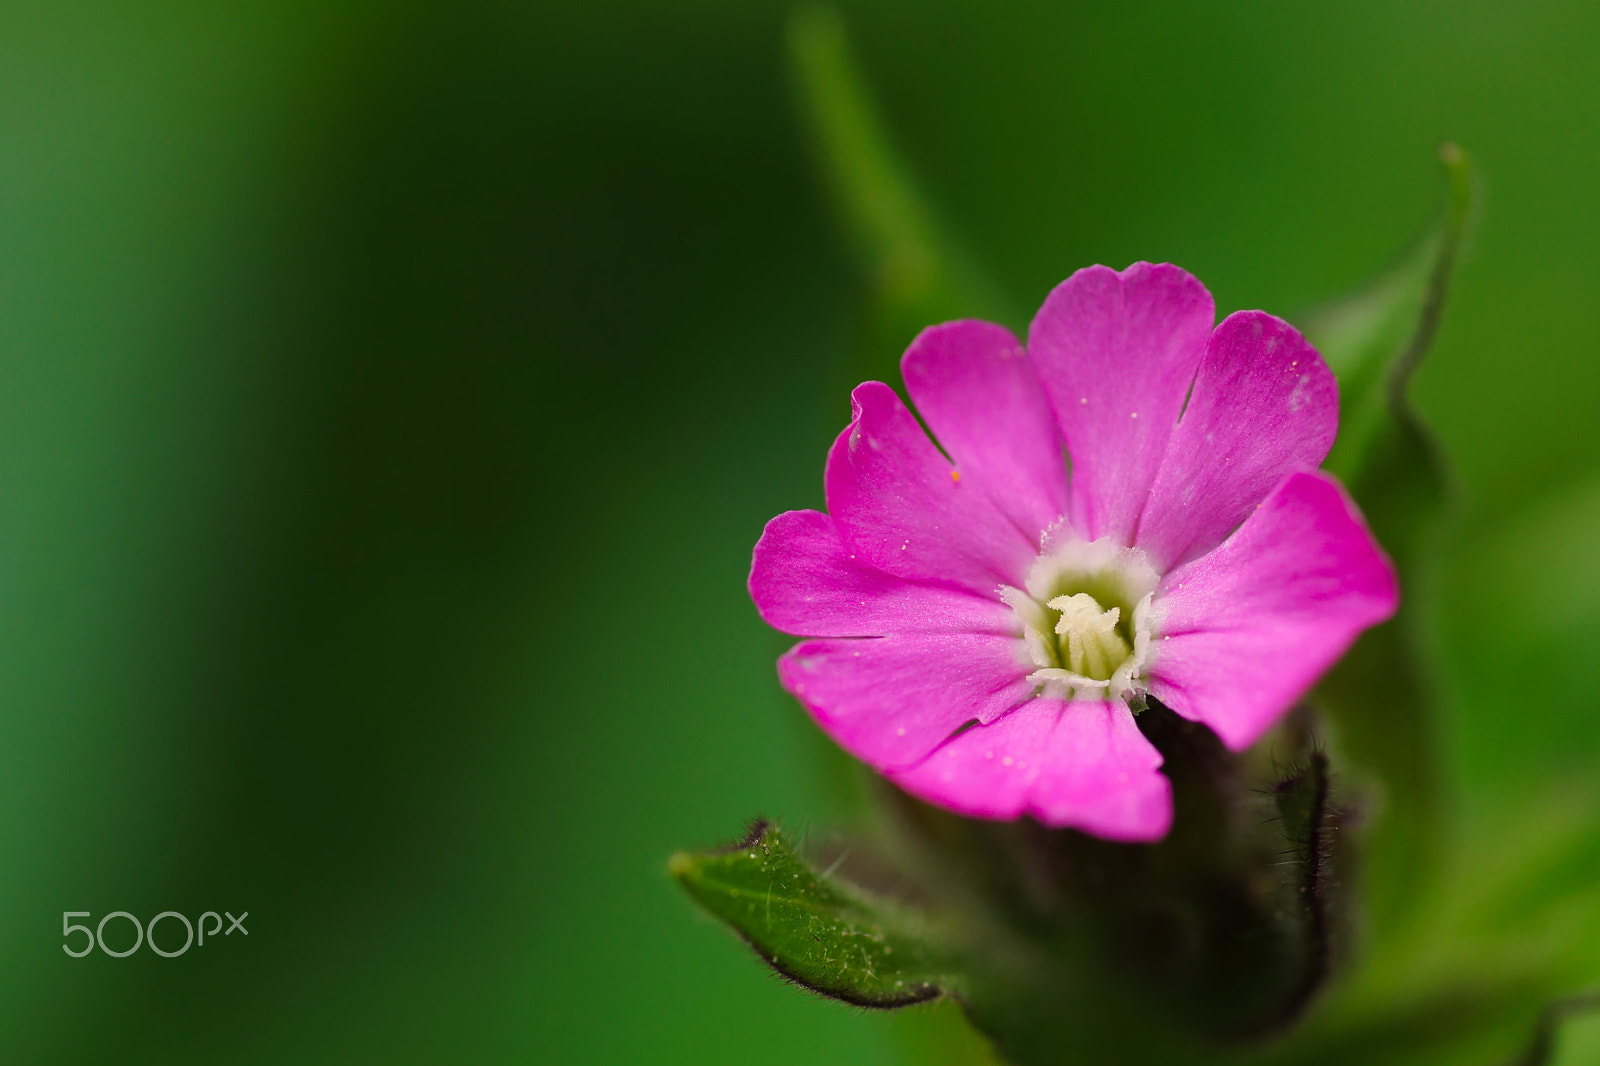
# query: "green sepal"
1379,696
1308,822
1216,938
815,929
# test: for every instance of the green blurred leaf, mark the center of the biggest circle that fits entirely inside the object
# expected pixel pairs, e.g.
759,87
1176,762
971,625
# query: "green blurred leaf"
1543,1049
814,929
1381,696
1375,338
1544,574
916,274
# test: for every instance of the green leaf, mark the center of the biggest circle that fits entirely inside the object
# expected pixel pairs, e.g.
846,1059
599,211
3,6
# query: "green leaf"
1380,695
916,275
1375,338
814,929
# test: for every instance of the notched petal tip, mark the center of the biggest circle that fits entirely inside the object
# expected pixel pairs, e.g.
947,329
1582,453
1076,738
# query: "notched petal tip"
891,492
1263,404
1116,353
975,387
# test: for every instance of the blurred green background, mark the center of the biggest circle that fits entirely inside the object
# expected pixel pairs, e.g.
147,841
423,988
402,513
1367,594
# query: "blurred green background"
390,395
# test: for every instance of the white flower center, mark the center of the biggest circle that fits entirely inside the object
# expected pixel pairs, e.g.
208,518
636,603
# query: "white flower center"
1085,619
1089,643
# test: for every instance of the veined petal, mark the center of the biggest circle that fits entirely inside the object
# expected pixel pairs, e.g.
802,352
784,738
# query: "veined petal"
889,701
1248,628
974,385
1116,354
902,507
1082,764
1264,404
805,581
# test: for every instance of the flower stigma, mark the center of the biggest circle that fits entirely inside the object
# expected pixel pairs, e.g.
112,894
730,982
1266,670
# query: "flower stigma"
1085,619
1090,644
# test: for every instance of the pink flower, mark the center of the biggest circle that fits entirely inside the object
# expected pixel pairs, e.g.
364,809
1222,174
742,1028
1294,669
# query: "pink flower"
1131,506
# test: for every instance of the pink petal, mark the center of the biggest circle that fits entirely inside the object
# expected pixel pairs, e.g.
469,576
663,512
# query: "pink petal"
1264,404
805,581
974,386
1082,764
901,508
889,701
1244,631
1116,354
